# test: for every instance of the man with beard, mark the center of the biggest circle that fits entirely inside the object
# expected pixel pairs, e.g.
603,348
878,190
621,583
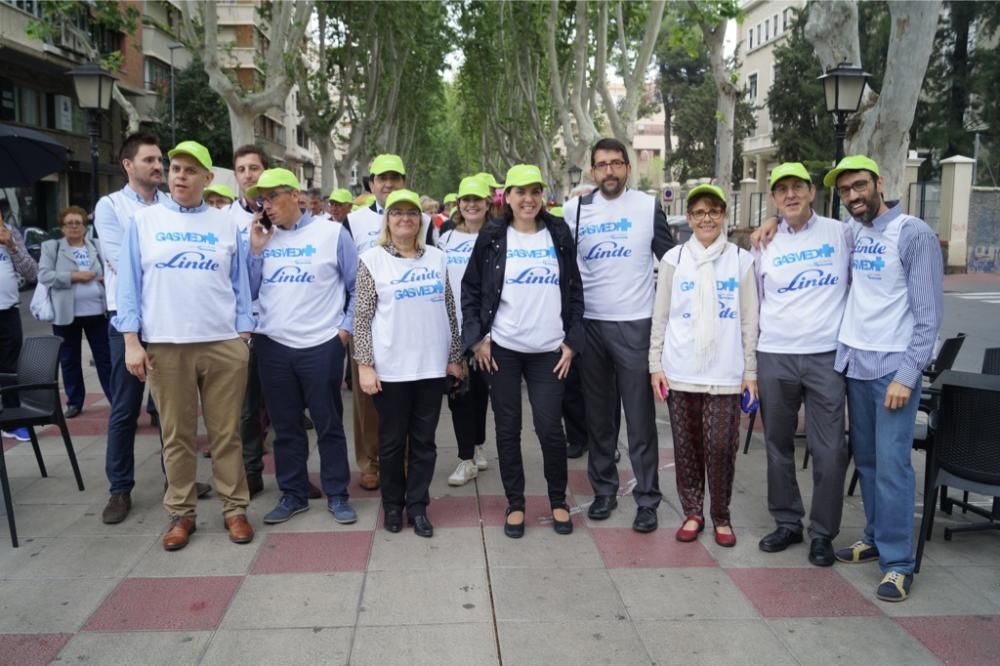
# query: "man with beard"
620,233
886,339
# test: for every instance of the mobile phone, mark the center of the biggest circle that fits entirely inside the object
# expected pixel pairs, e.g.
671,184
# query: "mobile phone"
746,404
663,391
266,221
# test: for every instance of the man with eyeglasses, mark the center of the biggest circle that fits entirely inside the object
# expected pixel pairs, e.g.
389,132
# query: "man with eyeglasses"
802,278
620,233
886,340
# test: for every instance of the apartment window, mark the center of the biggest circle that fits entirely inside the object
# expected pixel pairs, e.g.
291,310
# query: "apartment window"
33,7
758,35
156,75
767,30
752,88
777,26
750,39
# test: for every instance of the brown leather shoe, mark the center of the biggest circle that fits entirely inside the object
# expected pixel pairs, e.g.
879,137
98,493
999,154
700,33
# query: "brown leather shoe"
369,481
179,532
240,530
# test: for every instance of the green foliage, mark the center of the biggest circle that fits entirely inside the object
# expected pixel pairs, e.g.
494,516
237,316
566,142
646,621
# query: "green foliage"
694,156
200,114
91,22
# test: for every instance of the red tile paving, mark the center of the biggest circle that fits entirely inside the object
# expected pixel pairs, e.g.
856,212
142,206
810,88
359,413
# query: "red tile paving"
624,548
454,511
31,649
313,552
967,640
166,604
800,592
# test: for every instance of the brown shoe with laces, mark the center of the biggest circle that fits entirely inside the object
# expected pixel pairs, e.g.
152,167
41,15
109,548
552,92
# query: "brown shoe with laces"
179,533
240,530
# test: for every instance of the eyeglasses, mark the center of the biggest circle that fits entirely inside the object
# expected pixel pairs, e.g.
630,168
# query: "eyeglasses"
73,223
858,187
397,213
800,187
614,164
271,196
714,214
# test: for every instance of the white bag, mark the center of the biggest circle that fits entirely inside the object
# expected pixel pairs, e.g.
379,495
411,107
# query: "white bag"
41,304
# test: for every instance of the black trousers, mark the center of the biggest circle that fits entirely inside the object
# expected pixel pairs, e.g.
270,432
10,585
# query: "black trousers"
408,413
545,392
573,408
11,338
468,414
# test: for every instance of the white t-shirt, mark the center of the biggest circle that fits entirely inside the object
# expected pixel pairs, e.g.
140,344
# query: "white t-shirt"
411,335
529,317
8,281
366,225
805,276
615,254
88,297
458,245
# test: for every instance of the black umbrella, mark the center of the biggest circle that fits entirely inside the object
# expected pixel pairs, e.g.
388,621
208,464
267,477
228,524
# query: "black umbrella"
26,156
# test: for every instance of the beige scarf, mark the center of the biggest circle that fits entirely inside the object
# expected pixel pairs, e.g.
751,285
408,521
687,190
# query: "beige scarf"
705,312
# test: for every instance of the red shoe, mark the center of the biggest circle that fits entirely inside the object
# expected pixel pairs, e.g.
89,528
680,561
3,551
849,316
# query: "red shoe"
725,540
690,535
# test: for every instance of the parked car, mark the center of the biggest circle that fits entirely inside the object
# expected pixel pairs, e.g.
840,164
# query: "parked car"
679,228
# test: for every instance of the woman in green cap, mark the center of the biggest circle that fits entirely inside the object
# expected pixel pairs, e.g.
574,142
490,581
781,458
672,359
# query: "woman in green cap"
522,313
702,355
406,341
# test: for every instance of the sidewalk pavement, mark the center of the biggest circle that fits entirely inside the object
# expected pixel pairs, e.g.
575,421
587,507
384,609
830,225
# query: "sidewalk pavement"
310,590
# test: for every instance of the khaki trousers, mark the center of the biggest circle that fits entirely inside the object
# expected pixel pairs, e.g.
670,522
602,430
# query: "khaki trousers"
365,424
217,372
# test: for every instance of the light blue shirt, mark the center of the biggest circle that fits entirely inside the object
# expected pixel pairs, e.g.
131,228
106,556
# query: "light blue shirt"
347,263
109,231
129,317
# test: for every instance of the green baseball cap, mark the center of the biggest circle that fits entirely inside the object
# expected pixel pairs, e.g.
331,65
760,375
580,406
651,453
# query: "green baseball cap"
221,189
556,211
714,190
520,175
474,186
402,196
195,150
850,163
387,162
789,169
340,195
489,180
451,197
274,178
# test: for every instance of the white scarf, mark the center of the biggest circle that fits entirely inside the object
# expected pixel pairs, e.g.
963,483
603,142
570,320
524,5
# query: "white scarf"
706,301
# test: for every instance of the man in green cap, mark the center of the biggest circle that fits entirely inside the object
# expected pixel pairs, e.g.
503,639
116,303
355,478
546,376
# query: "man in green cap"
802,278
183,284
339,205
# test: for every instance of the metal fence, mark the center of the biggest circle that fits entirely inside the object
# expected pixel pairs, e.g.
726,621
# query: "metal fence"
924,201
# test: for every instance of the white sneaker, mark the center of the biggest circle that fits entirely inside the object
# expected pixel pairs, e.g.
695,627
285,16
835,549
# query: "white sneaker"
479,457
465,472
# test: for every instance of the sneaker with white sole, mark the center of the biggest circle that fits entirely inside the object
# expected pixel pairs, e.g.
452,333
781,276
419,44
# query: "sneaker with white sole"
858,552
20,434
895,586
479,457
465,472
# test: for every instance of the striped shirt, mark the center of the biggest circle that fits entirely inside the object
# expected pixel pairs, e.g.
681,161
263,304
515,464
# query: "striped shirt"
920,254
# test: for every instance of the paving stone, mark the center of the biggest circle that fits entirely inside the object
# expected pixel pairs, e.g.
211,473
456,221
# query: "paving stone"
812,592
622,547
316,645
437,645
40,520
579,642
869,640
80,557
295,600
542,549
205,555
689,593
425,597
936,590
50,606
31,649
967,639
528,595
712,642
455,548
164,648
166,604
313,552
538,512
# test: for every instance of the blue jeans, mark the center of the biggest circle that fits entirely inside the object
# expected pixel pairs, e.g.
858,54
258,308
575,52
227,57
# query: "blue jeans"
126,402
294,379
881,441
96,328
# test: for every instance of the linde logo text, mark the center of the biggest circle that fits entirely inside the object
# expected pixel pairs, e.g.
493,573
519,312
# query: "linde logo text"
190,260
535,275
290,274
808,279
607,250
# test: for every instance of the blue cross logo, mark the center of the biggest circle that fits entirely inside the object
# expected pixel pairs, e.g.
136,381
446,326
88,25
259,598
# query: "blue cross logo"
878,264
729,285
211,238
624,224
308,251
826,250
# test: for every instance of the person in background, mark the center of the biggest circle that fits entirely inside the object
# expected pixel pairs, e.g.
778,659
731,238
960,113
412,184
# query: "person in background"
702,354
406,343
14,261
71,268
219,196
339,205
315,205
522,317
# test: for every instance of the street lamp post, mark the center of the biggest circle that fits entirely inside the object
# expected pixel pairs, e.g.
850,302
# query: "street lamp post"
173,123
93,86
575,174
844,86
308,171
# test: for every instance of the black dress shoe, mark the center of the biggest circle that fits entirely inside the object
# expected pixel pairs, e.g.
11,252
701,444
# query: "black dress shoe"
562,526
72,411
255,483
393,520
421,526
821,552
602,506
779,539
645,519
514,531
574,450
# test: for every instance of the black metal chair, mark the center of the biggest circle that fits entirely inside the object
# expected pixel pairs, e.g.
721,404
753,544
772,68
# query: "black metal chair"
37,386
991,361
966,451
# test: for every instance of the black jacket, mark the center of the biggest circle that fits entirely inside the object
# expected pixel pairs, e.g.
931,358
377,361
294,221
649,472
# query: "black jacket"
483,282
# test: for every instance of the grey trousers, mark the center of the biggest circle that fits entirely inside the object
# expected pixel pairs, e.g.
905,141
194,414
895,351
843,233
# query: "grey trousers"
784,380
620,349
